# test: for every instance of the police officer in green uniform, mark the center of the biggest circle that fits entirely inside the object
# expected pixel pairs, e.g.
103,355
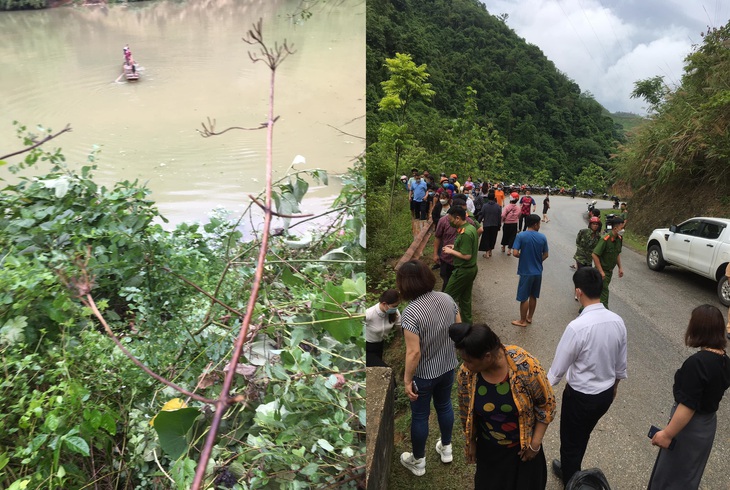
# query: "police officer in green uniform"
464,250
586,241
607,254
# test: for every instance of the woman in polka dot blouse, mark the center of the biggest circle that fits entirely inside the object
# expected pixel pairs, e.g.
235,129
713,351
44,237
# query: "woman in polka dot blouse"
506,404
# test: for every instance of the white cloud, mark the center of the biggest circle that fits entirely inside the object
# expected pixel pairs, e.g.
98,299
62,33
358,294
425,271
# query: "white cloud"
606,45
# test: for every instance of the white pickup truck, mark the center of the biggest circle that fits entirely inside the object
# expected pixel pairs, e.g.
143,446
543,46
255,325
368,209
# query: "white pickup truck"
700,245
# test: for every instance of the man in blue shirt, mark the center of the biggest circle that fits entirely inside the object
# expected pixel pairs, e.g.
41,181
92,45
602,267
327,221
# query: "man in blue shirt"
531,248
419,205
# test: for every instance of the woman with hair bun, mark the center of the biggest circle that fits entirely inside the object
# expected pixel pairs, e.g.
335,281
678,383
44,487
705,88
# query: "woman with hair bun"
699,385
506,403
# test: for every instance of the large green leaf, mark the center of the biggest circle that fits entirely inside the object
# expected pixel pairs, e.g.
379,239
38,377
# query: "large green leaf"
299,188
172,429
77,445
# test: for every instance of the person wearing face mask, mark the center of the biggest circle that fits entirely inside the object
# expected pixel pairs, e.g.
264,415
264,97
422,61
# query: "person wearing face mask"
442,202
585,242
464,252
419,204
432,199
446,235
379,321
607,254
499,195
510,218
447,184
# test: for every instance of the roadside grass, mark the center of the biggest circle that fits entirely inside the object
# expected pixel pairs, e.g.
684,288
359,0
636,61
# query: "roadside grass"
633,241
389,236
439,476
387,241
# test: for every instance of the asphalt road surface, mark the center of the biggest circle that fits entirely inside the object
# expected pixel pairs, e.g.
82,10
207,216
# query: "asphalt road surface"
655,306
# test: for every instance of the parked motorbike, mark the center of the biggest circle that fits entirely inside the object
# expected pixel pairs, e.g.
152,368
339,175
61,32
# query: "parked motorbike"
591,207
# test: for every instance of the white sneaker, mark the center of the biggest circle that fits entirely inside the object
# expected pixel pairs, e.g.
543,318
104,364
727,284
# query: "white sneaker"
445,452
417,466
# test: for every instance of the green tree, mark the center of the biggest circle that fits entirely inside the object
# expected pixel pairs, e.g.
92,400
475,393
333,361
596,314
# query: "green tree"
651,90
684,144
541,177
407,83
472,148
592,177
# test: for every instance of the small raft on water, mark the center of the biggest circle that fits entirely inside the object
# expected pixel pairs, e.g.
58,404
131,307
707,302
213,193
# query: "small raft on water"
131,71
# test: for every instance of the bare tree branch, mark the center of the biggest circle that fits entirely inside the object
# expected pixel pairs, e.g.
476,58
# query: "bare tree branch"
272,59
343,132
88,300
209,130
44,140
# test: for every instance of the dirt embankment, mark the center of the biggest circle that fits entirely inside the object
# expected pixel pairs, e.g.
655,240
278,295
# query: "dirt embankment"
672,204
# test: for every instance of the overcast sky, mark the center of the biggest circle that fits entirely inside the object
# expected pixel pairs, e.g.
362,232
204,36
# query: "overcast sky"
607,45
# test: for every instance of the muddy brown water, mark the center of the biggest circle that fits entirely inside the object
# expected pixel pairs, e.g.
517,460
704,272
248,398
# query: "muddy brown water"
60,66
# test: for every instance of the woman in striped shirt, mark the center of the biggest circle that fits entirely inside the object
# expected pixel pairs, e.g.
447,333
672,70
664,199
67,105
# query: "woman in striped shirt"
430,360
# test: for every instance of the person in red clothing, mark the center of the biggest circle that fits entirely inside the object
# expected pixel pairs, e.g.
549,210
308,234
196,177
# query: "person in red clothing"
527,207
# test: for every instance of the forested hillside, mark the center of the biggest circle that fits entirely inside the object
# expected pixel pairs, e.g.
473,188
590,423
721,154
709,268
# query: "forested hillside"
542,115
678,163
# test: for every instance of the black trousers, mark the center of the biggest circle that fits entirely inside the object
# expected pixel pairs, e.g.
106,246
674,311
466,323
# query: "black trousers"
445,272
523,222
501,468
578,416
374,354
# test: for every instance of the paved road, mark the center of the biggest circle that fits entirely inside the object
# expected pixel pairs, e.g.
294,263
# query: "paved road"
656,309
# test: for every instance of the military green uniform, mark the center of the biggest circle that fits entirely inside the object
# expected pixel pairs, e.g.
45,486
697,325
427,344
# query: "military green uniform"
608,250
585,242
465,271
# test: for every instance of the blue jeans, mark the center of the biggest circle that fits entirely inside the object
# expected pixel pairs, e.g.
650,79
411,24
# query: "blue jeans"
440,389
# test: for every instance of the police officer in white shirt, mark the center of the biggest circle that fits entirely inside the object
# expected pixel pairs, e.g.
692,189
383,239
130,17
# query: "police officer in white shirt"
591,355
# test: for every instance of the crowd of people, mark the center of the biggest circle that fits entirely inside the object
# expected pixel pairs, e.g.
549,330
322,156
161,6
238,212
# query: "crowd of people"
506,398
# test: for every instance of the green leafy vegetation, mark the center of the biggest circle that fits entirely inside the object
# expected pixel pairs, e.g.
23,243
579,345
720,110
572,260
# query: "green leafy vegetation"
76,412
41,4
452,88
488,84
23,4
627,121
683,148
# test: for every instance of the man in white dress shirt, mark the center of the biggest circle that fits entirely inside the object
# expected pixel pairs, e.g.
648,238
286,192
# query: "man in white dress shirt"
591,356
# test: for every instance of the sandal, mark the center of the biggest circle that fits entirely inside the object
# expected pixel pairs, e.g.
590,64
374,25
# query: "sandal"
502,248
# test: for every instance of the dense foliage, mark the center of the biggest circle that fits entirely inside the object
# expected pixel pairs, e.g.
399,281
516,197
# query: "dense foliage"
41,4
519,96
684,147
23,4
76,413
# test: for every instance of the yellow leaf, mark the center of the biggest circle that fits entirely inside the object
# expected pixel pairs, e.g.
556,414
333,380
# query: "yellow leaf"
171,406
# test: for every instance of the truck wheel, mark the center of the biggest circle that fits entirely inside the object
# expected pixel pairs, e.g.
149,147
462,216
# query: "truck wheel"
654,259
723,291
